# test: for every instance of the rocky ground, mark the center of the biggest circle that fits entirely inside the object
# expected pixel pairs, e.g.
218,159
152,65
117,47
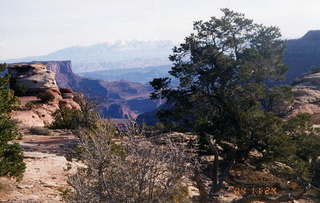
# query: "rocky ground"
45,178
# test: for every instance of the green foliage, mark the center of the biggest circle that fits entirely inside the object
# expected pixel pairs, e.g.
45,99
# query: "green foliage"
30,105
39,131
298,147
45,97
277,99
65,118
224,70
315,69
86,117
19,90
7,99
11,164
11,157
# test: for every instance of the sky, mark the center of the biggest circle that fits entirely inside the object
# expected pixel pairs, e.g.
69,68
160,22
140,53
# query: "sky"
38,27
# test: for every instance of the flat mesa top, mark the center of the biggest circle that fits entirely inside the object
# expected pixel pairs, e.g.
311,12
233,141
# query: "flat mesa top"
312,35
24,65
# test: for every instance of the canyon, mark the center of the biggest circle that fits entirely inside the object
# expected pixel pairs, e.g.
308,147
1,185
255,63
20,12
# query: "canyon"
118,99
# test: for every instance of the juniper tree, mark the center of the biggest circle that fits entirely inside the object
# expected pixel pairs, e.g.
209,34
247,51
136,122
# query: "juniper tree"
224,94
11,157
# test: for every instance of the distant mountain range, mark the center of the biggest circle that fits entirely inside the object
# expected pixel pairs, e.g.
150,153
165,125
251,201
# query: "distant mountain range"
301,55
106,56
138,61
142,75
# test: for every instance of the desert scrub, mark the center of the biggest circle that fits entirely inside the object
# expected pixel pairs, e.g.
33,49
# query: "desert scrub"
65,118
134,171
39,131
86,117
19,90
45,97
30,105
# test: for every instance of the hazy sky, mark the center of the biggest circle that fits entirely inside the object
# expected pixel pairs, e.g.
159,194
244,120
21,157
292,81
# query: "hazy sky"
37,27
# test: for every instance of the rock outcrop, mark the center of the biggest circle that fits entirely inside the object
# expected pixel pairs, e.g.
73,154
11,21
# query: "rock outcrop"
33,78
306,94
39,94
64,75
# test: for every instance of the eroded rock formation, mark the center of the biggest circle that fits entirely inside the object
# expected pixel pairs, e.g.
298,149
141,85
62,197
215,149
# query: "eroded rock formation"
32,77
306,94
39,94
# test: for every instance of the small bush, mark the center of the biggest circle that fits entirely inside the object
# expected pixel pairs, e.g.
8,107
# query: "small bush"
315,69
45,97
66,90
29,105
65,118
74,119
19,90
39,131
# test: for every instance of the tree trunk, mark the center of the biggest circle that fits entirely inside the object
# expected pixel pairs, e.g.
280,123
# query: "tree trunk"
201,187
215,172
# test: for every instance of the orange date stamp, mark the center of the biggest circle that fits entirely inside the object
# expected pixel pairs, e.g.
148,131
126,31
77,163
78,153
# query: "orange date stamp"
255,190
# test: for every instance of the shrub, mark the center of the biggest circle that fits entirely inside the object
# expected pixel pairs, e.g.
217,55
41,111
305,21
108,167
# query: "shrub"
19,90
39,131
86,117
45,96
29,105
66,90
135,171
65,118
315,69
88,111
11,157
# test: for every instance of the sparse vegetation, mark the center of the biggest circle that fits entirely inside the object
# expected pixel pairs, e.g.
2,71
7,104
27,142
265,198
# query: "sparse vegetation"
133,171
39,131
86,117
65,118
30,105
46,96
315,69
19,90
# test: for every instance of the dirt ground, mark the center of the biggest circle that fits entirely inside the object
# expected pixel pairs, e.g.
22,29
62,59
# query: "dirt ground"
45,177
